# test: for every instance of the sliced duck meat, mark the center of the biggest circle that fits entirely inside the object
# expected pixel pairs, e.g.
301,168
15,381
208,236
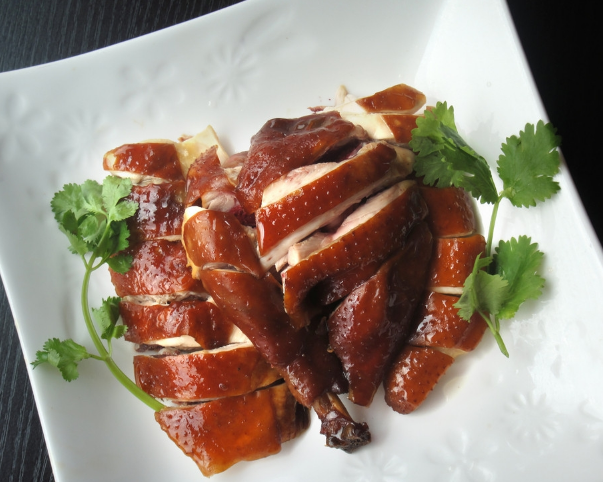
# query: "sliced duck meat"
208,185
302,356
438,325
160,211
158,268
369,325
400,99
282,145
191,148
215,239
453,261
412,376
341,431
310,197
191,323
157,160
204,375
371,233
220,433
450,211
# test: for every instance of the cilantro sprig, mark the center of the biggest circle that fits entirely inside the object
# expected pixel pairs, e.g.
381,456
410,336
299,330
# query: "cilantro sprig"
93,217
501,281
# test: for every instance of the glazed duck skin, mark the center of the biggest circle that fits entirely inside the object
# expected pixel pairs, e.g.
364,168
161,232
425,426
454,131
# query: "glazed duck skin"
221,433
214,239
372,237
190,323
160,211
438,325
368,326
310,206
158,268
207,184
282,145
450,211
146,159
412,376
204,375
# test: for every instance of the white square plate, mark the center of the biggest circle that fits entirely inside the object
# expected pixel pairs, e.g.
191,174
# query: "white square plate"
536,416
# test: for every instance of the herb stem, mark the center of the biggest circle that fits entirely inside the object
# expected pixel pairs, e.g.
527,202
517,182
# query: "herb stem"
104,355
491,228
495,332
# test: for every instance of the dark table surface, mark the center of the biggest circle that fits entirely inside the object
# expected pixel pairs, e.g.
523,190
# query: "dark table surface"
560,44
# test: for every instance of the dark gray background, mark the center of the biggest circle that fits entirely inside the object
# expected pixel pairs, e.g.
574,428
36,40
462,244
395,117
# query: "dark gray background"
559,39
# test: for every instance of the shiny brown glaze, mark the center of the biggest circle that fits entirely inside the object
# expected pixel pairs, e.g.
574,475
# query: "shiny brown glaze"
438,324
400,98
158,268
147,158
220,433
215,239
160,211
450,211
371,241
453,261
401,126
412,376
368,326
283,217
206,180
201,320
204,375
282,145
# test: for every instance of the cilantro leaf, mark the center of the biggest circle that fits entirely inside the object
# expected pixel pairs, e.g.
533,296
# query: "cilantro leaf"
528,164
113,190
106,318
446,159
517,261
64,355
482,292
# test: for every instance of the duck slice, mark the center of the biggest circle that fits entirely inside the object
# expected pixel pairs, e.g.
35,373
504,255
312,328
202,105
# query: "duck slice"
191,323
158,268
450,211
452,262
223,432
154,160
204,375
369,234
412,376
208,185
215,239
310,197
160,211
282,145
438,325
369,325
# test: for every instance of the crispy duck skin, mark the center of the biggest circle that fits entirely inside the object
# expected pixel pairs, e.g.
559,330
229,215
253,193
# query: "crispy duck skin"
321,196
215,239
160,211
204,375
158,268
220,433
412,376
282,145
372,238
199,320
438,325
452,262
369,325
153,159
207,184
400,98
450,211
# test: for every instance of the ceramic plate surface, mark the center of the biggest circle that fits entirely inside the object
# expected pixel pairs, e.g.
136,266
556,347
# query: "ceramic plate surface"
535,416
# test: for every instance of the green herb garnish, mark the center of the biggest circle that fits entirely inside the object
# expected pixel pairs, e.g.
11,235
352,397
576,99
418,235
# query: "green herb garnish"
500,282
93,217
